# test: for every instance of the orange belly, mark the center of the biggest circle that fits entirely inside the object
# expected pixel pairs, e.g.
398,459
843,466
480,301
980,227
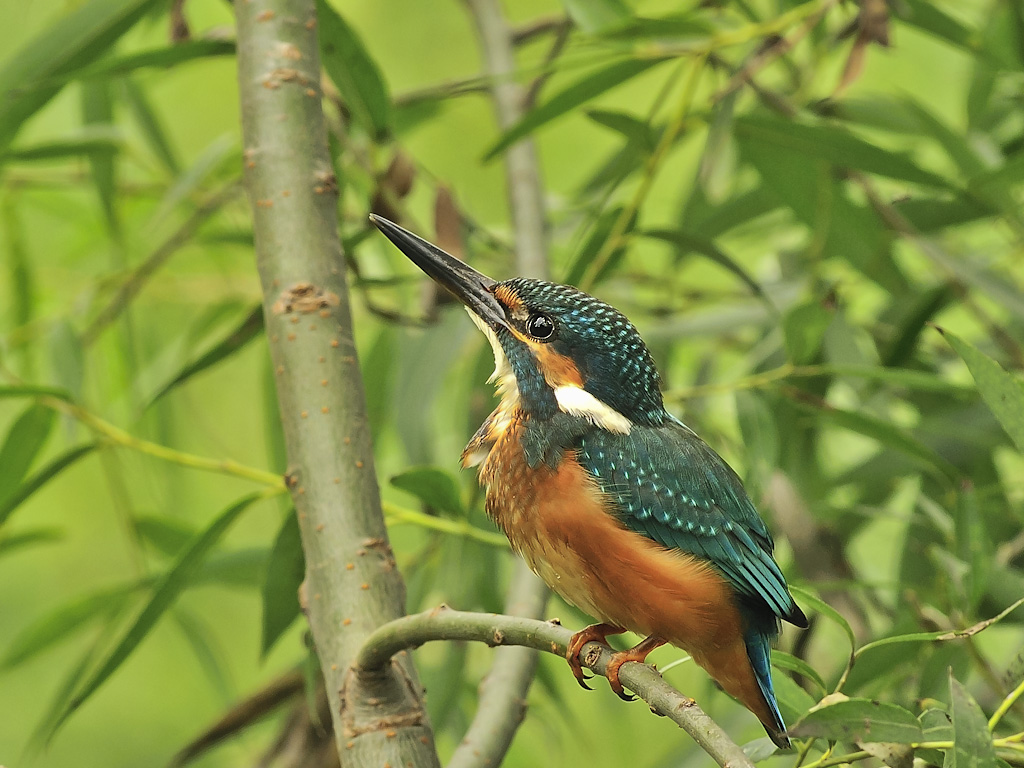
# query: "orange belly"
557,519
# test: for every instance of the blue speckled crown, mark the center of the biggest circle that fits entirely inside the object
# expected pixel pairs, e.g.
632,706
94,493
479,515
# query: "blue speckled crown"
616,365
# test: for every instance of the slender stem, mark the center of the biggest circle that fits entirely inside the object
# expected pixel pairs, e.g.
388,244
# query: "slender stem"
117,436
397,515
445,624
151,264
1005,705
617,236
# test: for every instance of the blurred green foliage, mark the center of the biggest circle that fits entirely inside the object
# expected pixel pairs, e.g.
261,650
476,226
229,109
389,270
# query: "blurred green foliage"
789,210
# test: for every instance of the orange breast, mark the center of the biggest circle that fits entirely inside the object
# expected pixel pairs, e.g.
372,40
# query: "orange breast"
557,519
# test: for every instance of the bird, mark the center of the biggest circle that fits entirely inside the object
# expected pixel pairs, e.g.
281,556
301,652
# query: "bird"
614,502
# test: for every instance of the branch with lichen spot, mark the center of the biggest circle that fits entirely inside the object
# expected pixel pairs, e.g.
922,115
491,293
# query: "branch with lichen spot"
443,623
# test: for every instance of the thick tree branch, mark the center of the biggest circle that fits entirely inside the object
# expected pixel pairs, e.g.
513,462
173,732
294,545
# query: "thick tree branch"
445,624
352,585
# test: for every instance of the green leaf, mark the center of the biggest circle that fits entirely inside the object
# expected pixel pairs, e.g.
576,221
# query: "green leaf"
820,606
972,742
354,72
883,430
596,16
589,87
62,622
973,544
804,329
632,128
164,57
860,720
33,390
836,146
286,568
24,441
150,126
75,40
434,487
166,534
928,17
98,114
242,334
167,590
686,242
86,142
15,541
788,661
17,496
592,246
1002,392
67,358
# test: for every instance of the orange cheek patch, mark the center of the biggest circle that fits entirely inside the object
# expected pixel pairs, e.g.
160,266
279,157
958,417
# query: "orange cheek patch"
558,370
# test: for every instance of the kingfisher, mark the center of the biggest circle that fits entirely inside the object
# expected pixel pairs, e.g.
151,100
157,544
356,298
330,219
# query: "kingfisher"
615,503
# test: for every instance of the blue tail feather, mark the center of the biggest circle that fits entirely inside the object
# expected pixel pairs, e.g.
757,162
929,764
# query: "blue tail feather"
759,649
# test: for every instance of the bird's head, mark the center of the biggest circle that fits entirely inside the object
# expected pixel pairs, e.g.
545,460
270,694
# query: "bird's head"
555,347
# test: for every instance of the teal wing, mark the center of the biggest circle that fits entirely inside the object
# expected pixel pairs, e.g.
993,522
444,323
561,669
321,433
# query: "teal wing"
670,486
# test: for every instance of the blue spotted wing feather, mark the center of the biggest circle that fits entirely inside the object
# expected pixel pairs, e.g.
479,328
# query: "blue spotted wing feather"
668,484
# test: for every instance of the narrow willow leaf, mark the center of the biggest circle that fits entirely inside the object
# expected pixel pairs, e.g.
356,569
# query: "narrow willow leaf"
819,605
804,328
286,568
163,57
434,487
32,390
972,742
884,431
836,146
592,245
17,496
24,441
167,535
973,545
62,622
355,73
242,334
597,16
1002,392
73,41
788,661
860,720
589,87
12,542
167,590
98,112
87,143
150,125
687,242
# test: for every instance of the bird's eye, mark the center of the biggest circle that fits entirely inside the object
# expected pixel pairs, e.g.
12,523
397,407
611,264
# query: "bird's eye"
540,326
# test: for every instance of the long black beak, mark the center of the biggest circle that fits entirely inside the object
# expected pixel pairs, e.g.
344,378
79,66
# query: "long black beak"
472,288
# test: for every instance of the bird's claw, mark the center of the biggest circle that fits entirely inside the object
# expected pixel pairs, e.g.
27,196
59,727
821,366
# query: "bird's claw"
593,633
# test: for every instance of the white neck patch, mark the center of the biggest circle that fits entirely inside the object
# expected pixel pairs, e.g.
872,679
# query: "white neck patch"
578,402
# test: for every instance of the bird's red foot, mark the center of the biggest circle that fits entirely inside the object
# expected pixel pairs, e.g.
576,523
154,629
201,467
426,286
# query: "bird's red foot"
637,653
594,633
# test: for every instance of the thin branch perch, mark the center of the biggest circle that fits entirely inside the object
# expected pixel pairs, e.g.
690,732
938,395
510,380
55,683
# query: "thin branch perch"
444,623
